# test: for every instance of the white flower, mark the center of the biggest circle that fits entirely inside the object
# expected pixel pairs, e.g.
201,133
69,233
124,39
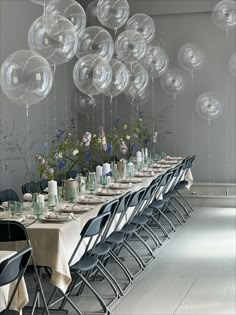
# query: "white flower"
51,171
125,127
123,147
75,152
58,155
155,137
127,137
87,139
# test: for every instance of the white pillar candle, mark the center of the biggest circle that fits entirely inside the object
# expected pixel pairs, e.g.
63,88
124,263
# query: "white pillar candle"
146,153
106,168
99,170
52,188
139,156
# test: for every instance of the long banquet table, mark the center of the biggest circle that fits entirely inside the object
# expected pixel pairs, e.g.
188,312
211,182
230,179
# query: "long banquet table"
54,243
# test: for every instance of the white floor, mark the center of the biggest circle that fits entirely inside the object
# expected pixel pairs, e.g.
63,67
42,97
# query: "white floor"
194,273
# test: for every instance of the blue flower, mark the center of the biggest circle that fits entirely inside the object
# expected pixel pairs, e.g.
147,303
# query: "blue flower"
117,120
134,147
61,165
59,134
109,149
147,141
88,156
140,114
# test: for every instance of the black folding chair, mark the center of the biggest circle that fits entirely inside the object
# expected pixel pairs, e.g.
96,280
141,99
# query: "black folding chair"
12,231
13,269
8,195
81,270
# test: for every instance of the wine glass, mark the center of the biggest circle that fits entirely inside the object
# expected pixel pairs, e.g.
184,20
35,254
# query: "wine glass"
52,202
103,181
91,185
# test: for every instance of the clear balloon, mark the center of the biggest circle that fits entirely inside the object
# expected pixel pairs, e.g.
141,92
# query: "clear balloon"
41,2
141,98
143,24
26,77
139,79
191,57
173,81
92,75
83,104
95,40
120,78
70,9
232,65
156,60
54,38
209,106
130,46
224,15
112,13
91,13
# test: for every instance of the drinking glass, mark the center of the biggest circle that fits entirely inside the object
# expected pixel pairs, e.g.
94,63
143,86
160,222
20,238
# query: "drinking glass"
52,202
38,207
91,185
115,174
103,181
156,157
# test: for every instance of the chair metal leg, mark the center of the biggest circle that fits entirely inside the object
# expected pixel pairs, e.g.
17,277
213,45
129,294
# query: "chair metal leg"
100,300
174,214
182,206
167,219
103,271
112,278
134,254
145,244
177,210
40,288
161,226
191,208
153,236
122,266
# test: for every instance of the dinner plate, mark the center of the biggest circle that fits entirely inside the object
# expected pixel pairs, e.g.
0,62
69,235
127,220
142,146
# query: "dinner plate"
91,200
120,186
143,174
77,209
131,180
109,192
58,219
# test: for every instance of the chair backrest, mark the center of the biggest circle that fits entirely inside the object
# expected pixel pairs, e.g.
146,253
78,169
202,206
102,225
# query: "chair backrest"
13,269
43,183
92,232
73,174
8,195
12,231
30,187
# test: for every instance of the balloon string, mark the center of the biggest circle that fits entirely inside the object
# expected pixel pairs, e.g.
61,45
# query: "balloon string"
153,115
209,156
55,105
103,112
175,126
66,98
47,125
28,143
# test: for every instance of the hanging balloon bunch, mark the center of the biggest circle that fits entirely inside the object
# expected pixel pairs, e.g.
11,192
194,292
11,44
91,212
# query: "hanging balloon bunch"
27,76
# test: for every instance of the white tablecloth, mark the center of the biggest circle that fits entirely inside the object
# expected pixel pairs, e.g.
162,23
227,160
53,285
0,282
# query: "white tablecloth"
21,296
54,243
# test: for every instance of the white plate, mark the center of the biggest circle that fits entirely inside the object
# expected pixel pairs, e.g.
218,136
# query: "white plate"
143,174
77,209
120,186
131,180
93,200
57,220
109,192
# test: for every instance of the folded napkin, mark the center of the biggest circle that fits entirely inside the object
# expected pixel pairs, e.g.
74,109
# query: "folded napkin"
27,197
58,216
